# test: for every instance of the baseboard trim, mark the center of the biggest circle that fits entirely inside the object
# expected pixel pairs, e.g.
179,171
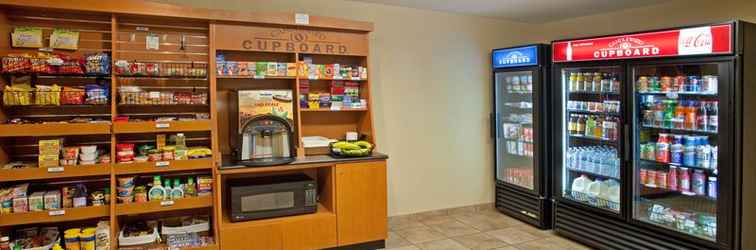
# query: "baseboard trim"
372,245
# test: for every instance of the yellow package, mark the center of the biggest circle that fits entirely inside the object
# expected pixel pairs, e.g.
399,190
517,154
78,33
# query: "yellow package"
64,39
314,100
291,69
46,161
27,37
49,147
47,95
303,69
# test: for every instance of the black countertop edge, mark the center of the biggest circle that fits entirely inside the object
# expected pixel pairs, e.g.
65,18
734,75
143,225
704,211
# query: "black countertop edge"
228,163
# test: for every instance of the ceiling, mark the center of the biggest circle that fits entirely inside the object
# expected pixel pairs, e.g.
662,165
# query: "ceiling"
528,11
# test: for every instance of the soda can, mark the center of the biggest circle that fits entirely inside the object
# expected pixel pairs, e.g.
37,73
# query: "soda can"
672,178
653,83
676,154
694,84
678,84
712,193
642,84
651,178
661,179
710,83
643,176
666,83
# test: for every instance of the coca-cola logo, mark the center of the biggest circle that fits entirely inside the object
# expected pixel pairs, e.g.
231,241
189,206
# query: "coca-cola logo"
698,41
626,47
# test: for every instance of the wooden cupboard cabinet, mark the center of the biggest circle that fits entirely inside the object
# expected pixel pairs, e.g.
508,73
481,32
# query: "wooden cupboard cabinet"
361,203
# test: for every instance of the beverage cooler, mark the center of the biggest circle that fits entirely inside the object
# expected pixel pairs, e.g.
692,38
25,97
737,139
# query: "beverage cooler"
646,137
518,126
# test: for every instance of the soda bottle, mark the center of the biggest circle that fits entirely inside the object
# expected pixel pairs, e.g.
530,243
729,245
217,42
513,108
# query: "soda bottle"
653,84
669,113
606,84
572,125
596,87
702,116
662,148
580,129
713,108
658,114
587,81
679,121
642,84
573,82
579,82
691,121
684,180
590,123
672,178
615,83
599,128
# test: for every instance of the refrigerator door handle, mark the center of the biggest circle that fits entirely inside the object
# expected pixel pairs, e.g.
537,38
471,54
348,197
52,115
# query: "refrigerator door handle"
494,125
626,137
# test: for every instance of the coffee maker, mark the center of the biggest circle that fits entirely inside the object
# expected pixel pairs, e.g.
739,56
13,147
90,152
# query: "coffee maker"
262,134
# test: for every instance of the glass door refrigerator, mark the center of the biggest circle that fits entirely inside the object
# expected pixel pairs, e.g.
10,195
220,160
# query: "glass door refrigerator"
648,138
519,127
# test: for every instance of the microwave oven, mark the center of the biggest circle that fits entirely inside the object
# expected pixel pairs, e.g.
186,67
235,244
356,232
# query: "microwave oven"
271,196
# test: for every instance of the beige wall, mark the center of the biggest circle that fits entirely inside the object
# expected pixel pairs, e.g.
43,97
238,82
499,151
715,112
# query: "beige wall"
431,90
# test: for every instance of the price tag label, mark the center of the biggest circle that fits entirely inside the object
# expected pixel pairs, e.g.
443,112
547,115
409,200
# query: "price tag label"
152,42
140,28
55,170
259,77
356,78
57,212
166,203
338,77
162,163
672,95
46,49
162,125
301,18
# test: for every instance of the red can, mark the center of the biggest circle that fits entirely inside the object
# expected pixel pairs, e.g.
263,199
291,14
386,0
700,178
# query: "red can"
651,178
661,179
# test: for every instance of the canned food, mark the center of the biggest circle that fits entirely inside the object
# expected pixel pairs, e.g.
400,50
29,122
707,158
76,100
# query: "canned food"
694,84
666,83
678,84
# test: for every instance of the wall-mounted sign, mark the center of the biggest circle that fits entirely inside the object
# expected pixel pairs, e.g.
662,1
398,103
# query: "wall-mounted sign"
679,42
515,57
233,37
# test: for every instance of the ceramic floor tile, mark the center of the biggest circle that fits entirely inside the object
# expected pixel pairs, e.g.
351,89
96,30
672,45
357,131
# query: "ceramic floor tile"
411,247
453,228
446,244
507,248
394,240
419,235
566,243
536,231
512,235
484,222
439,219
479,241
403,222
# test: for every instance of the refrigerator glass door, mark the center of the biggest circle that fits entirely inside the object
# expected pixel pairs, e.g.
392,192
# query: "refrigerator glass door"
591,111
515,147
676,114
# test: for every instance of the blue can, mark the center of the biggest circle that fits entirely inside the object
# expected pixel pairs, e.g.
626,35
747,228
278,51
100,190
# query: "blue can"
693,84
689,140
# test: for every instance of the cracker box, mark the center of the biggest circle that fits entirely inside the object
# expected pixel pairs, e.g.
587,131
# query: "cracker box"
52,200
20,205
37,202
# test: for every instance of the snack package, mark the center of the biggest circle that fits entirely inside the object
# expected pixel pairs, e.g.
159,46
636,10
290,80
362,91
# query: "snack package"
325,100
97,64
313,100
13,64
52,200
26,37
64,39
18,94
261,68
291,69
37,202
72,96
204,185
47,95
96,94
71,66
272,69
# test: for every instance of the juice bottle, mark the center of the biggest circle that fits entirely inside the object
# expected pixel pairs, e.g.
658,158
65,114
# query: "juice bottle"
662,148
684,180
679,121
597,130
590,124
572,125
580,127
573,82
672,178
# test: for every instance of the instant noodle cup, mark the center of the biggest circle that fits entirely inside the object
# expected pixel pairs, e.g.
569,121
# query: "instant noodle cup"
87,238
126,182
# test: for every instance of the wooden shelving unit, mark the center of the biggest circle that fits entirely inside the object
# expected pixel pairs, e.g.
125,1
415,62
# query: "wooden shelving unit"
192,37
164,206
161,127
31,174
68,214
163,166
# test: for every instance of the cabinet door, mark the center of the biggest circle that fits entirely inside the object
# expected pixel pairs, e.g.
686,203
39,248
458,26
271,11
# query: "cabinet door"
361,202
318,232
259,237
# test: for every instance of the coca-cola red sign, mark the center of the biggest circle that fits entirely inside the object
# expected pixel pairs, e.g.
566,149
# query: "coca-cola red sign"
690,41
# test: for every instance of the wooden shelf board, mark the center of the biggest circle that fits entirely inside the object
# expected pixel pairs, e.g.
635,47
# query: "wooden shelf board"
226,223
159,127
258,78
332,79
155,206
330,110
43,173
71,214
210,247
172,166
53,129
273,169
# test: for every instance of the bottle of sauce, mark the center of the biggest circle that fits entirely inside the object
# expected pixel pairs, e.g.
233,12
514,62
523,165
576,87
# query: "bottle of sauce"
177,192
157,192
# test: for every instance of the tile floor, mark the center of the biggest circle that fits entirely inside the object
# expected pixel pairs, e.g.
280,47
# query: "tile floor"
475,227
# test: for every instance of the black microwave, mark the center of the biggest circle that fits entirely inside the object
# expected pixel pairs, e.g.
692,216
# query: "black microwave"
271,196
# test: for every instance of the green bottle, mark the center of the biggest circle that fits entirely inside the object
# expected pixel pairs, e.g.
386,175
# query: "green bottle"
157,192
190,188
177,192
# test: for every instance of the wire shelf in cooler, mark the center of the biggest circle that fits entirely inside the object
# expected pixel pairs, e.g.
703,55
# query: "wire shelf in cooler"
593,112
686,197
672,93
592,173
593,200
592,93
667,164
679,130
592,139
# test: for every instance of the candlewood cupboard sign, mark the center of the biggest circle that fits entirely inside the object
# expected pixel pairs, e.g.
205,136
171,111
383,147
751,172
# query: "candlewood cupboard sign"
234,37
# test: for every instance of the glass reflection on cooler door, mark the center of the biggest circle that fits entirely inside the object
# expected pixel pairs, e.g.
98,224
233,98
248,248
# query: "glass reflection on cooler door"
676,170
592,122
515,161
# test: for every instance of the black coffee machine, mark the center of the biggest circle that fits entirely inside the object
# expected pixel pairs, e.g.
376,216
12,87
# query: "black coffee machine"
260,139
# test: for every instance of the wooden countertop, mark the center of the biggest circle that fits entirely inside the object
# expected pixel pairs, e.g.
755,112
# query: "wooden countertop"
314,161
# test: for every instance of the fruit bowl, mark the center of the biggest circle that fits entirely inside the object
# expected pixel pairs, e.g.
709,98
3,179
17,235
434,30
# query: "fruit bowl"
345,149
